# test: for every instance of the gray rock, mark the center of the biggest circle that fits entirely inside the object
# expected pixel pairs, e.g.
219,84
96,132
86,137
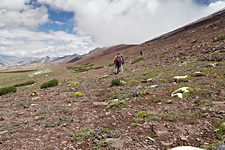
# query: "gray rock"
166,144
1,118
100,103
118,143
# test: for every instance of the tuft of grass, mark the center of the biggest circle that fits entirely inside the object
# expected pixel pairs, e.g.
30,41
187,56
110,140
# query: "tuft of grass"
79,94
7,90
220,38
84,68
142,114
110,65
64,120
220,131
83,134
117,82
147,116
150,72
74,83
172,116
98,67
24,84
50,83
117,104
137,60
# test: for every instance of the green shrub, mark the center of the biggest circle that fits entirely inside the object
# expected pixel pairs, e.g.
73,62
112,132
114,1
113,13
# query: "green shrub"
147,116
117,82
83,134
220,131
79,94
98,67
74,83
220,38
142,114
24,84
137,60
50,83
110,65
116,104
7,90
64,120
150,72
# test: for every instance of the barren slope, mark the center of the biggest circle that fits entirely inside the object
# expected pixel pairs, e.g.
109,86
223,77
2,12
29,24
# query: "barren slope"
147,118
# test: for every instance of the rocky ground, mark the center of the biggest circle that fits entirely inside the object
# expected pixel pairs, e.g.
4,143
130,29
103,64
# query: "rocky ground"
138,113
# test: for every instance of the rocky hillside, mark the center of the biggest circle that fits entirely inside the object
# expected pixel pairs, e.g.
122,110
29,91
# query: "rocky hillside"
170,96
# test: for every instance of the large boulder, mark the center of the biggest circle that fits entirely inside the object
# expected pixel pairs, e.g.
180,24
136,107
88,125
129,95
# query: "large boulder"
182,92
181,78
186,148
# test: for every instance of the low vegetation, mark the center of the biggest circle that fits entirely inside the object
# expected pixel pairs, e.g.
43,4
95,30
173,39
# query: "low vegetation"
24,84
82,134
220,38
79,94
137,60
220,131
117,104
61,121
74,83
7,90
117,82
51,83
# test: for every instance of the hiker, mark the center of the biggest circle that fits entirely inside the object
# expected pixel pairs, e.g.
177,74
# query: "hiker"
141,53
118,61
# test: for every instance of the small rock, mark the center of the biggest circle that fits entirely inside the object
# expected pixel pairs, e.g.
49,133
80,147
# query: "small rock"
222,147
150,139
154,86
118,143
1,118
100,103
205,115
98,137
166,144
183,138
4,132
186,148
161,132
96,142
35,98
32,105
139,87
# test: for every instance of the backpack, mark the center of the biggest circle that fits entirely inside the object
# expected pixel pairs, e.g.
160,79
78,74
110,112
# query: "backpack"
118,59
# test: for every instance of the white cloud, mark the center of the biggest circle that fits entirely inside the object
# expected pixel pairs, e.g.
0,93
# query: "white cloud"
98,23
15,4
22,42
217,5
29,18
111,22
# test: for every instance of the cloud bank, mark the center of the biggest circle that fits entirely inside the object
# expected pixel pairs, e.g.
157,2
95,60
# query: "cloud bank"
97,23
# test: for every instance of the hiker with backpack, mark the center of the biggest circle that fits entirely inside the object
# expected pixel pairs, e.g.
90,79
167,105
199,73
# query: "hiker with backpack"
118,61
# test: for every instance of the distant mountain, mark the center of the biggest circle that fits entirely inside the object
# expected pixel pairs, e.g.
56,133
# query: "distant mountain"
6,60
66,58
99,52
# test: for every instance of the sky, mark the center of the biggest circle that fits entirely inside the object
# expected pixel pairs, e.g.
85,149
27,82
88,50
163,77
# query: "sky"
38,28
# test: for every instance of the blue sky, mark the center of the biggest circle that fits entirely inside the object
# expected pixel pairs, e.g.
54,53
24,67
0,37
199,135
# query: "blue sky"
62,27
60,20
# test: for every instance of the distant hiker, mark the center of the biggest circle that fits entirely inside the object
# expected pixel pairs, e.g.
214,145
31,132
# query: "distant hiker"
141,53
118,60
